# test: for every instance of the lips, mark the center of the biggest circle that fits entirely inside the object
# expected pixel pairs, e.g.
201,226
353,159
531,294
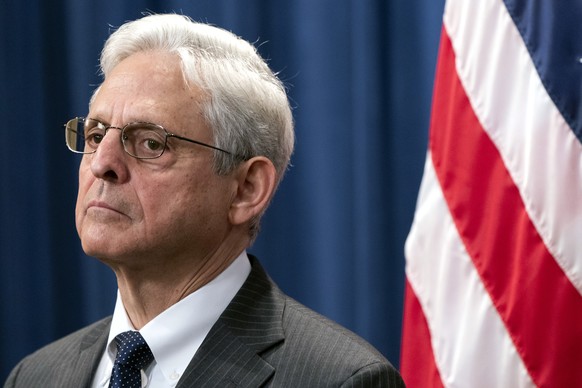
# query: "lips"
101,205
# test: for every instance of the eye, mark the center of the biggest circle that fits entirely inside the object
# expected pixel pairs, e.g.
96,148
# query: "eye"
144,140
94,136
153,144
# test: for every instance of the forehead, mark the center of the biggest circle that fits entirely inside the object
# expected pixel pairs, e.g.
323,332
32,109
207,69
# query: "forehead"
147,86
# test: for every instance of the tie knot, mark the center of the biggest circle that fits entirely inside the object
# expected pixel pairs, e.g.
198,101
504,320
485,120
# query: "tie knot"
132,350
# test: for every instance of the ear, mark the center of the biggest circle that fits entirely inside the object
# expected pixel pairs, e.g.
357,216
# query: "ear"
255,187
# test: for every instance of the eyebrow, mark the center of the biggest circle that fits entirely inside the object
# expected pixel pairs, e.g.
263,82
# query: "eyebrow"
108,123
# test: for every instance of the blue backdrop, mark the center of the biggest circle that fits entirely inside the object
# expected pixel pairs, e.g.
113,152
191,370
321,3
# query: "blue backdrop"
360,76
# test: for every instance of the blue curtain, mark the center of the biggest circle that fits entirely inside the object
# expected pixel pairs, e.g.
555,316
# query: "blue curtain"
360,78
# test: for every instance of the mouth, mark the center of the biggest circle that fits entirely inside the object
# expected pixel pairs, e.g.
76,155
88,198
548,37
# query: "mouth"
102,206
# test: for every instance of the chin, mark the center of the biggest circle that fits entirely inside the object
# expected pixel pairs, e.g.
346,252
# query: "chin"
100,248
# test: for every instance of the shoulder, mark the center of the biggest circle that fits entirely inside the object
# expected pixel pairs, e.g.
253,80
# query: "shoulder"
305,326
320,352
304,348
60,357
313,351
74,342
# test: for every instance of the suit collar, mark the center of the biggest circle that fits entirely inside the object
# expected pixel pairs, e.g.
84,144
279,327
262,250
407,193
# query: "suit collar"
252,324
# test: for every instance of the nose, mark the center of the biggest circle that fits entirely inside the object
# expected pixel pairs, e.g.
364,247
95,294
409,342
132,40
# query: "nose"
109,162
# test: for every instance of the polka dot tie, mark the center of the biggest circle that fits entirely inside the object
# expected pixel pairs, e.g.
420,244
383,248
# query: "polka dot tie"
133,354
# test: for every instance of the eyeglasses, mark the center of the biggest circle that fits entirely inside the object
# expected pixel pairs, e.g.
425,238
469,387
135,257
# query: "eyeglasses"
140,140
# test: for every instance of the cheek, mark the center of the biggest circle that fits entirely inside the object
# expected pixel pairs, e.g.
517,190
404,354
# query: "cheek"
85,175
159,201
181,205
84,186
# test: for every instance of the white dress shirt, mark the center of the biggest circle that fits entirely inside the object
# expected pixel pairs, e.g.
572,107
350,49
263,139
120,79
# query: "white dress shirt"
175,335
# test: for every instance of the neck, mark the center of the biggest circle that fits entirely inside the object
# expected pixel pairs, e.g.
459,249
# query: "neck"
146,292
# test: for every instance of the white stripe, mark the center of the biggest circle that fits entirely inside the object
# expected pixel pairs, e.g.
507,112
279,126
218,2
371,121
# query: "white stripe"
470,343
540,151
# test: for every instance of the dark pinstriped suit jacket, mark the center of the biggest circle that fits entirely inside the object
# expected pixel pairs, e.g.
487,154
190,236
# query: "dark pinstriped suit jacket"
263,339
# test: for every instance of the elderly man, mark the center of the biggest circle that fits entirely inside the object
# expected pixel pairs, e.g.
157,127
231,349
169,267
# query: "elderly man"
183,147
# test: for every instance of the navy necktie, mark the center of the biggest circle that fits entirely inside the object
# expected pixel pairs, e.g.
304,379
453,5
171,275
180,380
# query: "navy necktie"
133,354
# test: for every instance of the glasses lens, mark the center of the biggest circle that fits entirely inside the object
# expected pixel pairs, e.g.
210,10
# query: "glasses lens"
144,140
74,134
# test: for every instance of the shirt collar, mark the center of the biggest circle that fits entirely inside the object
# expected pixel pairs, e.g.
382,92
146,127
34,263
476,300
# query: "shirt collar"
175,335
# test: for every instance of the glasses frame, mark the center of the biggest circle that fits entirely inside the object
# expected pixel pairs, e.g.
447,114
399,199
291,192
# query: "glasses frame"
106,128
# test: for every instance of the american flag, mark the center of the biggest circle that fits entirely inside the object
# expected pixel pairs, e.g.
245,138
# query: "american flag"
494,255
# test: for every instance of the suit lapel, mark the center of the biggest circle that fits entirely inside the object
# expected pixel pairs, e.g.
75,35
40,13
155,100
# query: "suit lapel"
80,372
231,353
92,349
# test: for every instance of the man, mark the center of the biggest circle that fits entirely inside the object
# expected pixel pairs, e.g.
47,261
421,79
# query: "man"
183,147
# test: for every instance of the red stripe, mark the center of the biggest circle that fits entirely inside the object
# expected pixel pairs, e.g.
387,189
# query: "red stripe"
540,307
417,365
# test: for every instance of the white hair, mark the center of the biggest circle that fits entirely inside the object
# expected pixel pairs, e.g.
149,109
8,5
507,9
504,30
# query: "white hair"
247,108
